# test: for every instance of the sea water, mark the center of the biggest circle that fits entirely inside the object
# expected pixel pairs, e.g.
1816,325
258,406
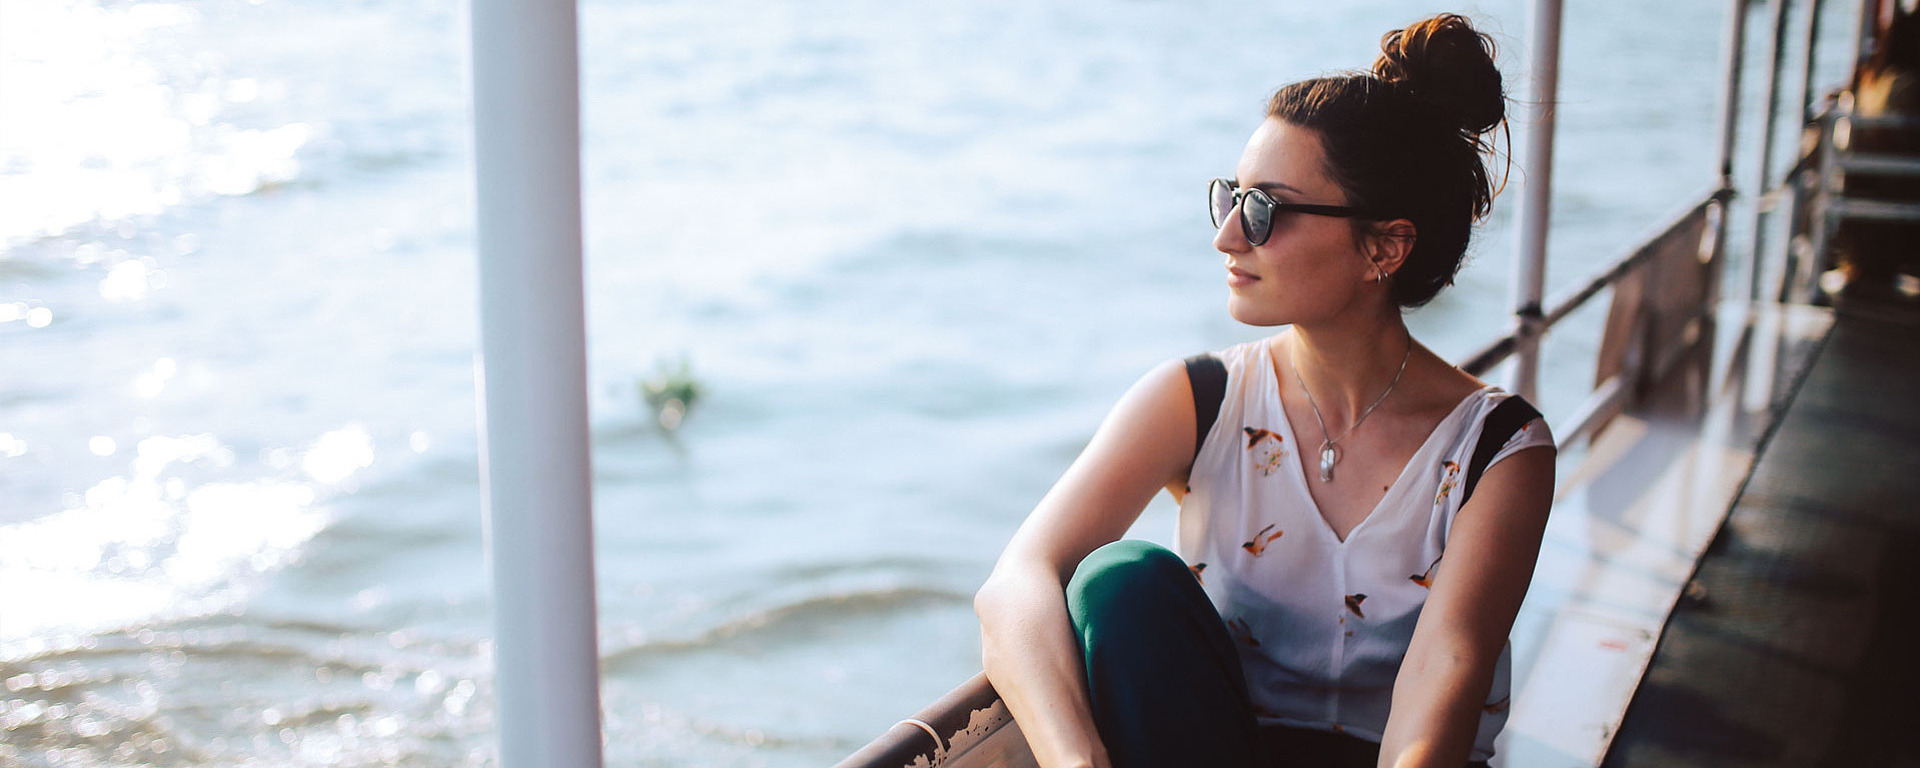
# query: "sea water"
910,252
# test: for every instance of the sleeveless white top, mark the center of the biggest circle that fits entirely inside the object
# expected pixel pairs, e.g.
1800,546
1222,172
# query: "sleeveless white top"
1322,624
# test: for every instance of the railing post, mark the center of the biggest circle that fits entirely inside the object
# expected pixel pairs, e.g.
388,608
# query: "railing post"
1763,176
535,477
1826,173
1733,60
1863,37
1530,262
1800,262
1813,8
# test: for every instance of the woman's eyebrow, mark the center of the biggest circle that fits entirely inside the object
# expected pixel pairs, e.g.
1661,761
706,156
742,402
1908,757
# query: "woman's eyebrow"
1273,185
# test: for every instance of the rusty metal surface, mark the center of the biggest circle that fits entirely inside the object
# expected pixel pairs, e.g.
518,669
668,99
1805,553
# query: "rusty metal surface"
967,728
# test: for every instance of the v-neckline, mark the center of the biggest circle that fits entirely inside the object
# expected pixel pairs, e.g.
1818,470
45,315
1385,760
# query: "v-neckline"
1299,472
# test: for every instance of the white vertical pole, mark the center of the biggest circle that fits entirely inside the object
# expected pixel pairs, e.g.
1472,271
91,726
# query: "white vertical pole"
535,477
1530,263
1805,266
1734,63
1811,49
1864,44
1763,175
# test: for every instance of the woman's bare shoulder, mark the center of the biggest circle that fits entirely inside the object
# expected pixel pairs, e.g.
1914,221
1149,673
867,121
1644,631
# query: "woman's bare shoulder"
1438,385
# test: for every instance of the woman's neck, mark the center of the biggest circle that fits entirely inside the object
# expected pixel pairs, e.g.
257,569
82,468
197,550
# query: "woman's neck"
1346,366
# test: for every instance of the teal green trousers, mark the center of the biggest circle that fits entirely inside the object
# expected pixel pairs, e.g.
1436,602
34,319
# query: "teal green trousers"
1165,680
1163,676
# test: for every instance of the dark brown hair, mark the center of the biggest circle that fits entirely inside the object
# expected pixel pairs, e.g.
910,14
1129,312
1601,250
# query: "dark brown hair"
1406,140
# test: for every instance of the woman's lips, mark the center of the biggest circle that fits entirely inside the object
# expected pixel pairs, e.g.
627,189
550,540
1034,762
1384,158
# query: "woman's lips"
1240,278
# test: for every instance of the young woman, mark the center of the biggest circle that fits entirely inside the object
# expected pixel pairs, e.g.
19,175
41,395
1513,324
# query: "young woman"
1359,519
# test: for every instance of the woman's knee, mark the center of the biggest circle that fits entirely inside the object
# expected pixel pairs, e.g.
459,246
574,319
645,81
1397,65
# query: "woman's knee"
1126,578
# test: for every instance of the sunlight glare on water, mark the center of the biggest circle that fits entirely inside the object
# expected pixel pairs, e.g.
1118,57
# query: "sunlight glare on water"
113,136
339,454
145,545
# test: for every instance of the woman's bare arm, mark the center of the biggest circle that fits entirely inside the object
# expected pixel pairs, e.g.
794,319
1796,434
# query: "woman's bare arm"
1443,682
1031,654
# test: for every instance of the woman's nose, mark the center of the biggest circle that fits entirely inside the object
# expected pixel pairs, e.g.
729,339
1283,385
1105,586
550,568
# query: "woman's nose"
1232,235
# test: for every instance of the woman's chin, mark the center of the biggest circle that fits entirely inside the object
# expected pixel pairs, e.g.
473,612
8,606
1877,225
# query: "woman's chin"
1246,311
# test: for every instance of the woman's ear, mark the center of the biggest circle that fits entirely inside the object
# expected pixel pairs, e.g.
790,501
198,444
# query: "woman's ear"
1390,244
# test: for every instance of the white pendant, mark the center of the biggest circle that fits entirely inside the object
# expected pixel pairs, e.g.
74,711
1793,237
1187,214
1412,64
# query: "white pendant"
1326,463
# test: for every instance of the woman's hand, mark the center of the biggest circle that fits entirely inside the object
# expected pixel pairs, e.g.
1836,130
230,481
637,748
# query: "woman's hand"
1030,651
1443,683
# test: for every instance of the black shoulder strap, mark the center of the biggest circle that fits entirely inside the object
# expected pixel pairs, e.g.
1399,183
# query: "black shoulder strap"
1209,379
1506,419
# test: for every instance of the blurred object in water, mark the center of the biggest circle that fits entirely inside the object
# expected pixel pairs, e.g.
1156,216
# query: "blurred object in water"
671,393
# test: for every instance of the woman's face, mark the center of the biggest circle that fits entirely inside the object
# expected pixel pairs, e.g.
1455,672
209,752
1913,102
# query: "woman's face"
1310,267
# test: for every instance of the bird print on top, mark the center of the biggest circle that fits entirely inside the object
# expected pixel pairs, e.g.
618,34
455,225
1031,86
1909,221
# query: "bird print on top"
1353,604
1425,579
1267,448
1447,482
1258,545
1517,436
1197,569
1242,633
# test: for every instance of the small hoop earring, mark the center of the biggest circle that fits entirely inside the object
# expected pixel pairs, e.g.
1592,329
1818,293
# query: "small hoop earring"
1379,274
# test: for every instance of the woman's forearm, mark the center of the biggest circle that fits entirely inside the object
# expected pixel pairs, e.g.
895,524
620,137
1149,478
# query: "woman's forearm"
1443,683
1034,662
1436,711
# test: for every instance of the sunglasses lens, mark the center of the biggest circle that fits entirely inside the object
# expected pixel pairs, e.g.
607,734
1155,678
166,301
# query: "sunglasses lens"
1219,201
1256,211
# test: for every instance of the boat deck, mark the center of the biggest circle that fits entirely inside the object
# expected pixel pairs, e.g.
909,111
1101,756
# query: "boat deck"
1793,645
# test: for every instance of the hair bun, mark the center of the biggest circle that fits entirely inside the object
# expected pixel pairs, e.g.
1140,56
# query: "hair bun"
1444,62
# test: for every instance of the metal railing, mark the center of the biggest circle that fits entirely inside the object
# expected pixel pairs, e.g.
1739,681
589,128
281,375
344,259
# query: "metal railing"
1651,334
1655,333
1817,186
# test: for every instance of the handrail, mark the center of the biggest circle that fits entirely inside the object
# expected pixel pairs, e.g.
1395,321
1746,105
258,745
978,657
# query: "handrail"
1570,300
1878,164
1494,353
1498,350
1882,121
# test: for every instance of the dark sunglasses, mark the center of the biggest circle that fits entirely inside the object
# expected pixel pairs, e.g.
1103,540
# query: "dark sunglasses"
1257,209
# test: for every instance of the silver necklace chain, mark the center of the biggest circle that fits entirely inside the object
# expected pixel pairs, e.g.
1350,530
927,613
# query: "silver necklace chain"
1330,446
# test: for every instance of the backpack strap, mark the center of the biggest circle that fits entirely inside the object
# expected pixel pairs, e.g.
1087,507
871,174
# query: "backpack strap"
1500,426
1208,377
